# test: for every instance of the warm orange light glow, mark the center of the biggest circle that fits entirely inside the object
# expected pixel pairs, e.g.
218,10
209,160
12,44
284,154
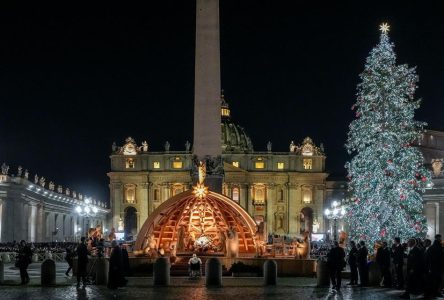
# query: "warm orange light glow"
200,191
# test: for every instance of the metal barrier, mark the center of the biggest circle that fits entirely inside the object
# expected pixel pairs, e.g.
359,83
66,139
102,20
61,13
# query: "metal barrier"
9,257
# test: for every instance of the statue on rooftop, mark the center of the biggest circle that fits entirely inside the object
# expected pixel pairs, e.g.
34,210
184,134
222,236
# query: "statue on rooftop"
42,181
114,147
269,146
292,146
51,186
187,146
36,179
145,146
59,189
19,171
26,174
167,146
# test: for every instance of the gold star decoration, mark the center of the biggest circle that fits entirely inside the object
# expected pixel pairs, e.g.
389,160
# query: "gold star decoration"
384,27
200,191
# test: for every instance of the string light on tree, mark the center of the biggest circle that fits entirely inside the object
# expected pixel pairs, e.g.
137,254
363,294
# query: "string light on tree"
386,175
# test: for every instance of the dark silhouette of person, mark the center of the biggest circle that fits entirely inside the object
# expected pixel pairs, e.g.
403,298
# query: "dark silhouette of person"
336,263
24,259
115,273
415,270
398,260
383,261
362,264
69,259
353,263
434,266
82,261
125,260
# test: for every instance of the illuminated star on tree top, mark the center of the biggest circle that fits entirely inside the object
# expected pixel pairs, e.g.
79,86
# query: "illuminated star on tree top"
384,27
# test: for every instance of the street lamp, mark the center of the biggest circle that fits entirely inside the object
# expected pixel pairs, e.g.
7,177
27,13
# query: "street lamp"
87,210
335,213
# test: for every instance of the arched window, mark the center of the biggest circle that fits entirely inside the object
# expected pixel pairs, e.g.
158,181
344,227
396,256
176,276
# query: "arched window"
259,194
130,221
130,193
236,194
307,194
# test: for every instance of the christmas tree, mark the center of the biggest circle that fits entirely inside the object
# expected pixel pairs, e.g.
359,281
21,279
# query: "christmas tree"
386,174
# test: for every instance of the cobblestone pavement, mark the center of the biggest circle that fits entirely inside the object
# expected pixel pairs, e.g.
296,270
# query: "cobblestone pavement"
181,288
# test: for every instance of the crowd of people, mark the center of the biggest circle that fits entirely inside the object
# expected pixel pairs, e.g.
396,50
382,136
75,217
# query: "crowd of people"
83,251
422,275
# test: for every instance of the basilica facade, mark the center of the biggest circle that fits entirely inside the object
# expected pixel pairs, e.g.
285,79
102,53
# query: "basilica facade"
39,211
283,191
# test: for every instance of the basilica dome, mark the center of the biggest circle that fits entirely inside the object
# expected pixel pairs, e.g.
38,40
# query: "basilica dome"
234,139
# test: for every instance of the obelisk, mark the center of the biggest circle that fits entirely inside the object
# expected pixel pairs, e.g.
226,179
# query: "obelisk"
207,87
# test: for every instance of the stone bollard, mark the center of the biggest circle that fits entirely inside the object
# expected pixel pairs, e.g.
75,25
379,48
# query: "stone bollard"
322,273
102,268
48,273
213,272
2,271
270,272
161,271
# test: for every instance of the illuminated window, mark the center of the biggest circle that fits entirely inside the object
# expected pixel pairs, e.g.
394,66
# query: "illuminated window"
236,194
280,165
259,195
130,163
130,193
236,164
156,165
308,163
306,194
156,194
259,165
225,112
177,165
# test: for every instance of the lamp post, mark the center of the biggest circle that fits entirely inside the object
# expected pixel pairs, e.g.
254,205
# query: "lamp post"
335,213
87,210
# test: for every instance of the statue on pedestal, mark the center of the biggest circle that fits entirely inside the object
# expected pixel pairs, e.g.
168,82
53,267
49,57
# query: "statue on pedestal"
26,174
167,146
42,181
36,179
51,186
19,171
59,189
67,192
187,146
292,146
269,146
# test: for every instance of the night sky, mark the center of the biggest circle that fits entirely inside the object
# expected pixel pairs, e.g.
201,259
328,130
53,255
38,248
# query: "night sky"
75,79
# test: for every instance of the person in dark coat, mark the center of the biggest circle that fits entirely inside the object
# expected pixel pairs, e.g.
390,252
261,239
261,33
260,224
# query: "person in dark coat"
362,264
69,259
336,263
415,270
115,273
383,261
125,260
82,261
353,264
23,261
398,261
434,267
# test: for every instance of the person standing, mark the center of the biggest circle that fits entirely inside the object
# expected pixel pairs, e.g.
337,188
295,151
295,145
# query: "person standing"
362,264
398,261
434,267
82,262
115,273
352,263
415,270
336,263
24,259
383,260
69,259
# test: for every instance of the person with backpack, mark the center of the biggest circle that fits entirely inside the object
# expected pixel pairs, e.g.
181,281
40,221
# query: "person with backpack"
23,260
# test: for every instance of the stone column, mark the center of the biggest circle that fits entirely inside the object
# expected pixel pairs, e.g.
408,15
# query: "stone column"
271,197
293,191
